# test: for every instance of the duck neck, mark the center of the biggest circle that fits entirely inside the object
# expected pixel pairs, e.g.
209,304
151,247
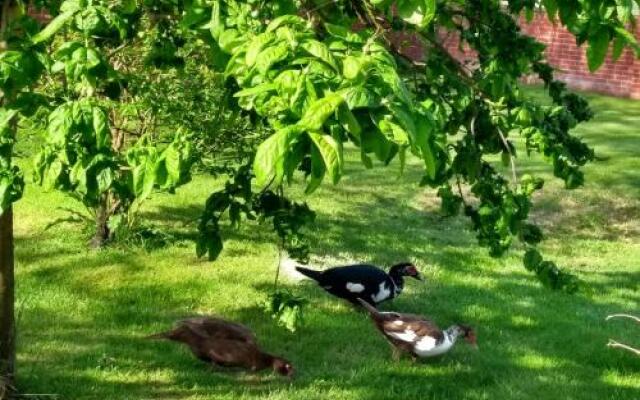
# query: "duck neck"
452,333
264,360
398,279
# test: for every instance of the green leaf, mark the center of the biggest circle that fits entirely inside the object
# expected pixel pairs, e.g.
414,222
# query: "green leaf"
394,132
597,50
283,20
349,121
216,26
417,12
343,33
104,178
360,97
551,7
532,259
54,26
211,244
101,128
172,161
270,56
531,234
351,67
318,171
231,40
331,154
618,48
257,44
390,76
424,132
262,88
6,115
269,162
624,35
321,51
318,112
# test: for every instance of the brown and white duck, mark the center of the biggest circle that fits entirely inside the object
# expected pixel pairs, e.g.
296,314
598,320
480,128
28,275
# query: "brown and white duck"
225,344
417,335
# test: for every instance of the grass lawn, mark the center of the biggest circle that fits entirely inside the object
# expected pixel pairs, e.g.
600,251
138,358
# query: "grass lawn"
82,314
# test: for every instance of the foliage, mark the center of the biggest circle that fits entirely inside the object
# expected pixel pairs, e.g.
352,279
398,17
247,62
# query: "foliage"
20,67
318,75
319,84
288,218
95,149
286,308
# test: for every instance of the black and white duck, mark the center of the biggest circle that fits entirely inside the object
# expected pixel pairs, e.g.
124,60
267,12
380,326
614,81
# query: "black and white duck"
224,344
363,281
417,335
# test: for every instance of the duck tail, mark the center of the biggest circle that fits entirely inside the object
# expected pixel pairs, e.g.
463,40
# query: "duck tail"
371,309
160,336
310,273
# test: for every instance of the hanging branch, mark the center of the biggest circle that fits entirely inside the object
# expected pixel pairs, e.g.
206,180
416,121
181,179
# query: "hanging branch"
281,243
613,343
637,319
512,160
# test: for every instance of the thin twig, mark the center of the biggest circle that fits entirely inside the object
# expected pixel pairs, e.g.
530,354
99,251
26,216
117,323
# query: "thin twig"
460,191
511,156
280,248
117,49
637,319
613,343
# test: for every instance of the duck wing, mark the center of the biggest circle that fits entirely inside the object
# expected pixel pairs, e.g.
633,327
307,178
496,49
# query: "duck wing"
218,328
360,280
232,353
409,328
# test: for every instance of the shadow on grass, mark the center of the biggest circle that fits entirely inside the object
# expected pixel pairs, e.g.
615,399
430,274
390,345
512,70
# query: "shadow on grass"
103,354
91,345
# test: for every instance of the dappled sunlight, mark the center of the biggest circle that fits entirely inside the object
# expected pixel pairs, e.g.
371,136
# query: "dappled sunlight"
83,315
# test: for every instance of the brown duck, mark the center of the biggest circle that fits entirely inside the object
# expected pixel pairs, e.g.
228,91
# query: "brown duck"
225,344
417,335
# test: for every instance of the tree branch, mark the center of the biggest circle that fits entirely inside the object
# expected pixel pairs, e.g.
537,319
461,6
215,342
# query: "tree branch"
637,319
511,156
613,343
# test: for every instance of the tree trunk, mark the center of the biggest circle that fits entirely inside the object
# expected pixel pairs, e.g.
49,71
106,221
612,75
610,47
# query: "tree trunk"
102,224
7,294
7,284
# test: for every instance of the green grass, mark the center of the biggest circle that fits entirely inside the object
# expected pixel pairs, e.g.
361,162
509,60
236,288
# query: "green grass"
82,313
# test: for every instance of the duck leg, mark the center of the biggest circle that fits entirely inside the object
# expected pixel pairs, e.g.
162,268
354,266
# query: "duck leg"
395,353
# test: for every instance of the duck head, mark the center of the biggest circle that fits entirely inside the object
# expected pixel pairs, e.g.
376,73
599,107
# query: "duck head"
468,333
405,269
283,367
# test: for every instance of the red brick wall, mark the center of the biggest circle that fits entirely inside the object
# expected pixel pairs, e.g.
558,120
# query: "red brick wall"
621,78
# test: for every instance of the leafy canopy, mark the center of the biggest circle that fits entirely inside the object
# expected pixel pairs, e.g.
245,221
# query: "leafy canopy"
319,74
326,73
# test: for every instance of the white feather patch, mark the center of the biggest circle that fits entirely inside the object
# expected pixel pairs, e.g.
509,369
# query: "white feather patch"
427,347
355,287
383,293
406,336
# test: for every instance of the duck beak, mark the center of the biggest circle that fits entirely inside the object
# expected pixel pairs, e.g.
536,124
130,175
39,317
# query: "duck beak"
418,277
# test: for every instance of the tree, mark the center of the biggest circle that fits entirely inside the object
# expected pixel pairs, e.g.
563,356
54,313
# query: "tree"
100,146
322,74
19,68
